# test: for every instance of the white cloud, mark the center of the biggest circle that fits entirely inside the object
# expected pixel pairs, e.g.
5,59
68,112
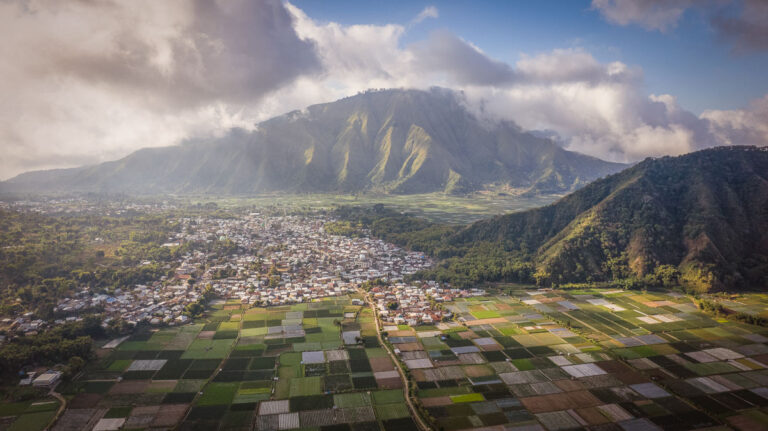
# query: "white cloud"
427,12
109,78
740,127
88,81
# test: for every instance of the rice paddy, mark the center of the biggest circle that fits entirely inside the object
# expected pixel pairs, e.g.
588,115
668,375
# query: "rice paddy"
244,368
531,360
590,359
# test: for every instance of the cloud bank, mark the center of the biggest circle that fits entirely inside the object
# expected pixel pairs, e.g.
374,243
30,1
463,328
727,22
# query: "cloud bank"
92,81
87,81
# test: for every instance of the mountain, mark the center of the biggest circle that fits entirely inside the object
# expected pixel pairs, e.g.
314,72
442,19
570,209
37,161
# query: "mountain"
397,141
701,218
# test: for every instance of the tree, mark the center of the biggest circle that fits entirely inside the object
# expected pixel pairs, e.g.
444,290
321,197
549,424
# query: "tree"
74,365
393,305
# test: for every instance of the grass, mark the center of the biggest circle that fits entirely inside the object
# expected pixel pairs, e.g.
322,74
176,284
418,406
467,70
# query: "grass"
392,411
290,358
13,409
188,385
542,339
387,397
485,314
358,399
306,386
218,393
376,352
119,365
467,398
32,421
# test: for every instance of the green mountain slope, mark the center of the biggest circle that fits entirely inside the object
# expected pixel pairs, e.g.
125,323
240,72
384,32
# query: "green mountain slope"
700,219
705,213
398,141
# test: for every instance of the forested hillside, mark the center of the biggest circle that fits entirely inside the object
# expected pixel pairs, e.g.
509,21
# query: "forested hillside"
700,219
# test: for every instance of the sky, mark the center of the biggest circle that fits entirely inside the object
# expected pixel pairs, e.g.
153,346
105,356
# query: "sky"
87,81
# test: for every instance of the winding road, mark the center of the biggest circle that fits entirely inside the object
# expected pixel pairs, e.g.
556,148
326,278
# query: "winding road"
406,388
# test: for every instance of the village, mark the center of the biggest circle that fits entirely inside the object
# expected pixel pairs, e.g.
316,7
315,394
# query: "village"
276,260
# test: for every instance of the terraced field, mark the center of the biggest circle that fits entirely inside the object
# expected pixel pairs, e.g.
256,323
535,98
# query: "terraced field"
596,359
273,368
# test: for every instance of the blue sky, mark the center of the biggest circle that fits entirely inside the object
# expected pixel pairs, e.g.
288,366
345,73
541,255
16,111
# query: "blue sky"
689,61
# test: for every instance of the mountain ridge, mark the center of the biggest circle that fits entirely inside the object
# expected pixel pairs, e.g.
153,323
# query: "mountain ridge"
395,141
699,220
704,213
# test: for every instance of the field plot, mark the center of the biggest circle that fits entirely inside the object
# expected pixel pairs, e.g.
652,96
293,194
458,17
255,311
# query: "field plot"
536,359
285,367
28,415
590,358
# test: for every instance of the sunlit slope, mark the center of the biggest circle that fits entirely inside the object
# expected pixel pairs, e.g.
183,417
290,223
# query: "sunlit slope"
398,141
704,213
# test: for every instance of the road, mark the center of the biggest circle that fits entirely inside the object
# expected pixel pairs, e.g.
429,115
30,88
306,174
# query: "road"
406,391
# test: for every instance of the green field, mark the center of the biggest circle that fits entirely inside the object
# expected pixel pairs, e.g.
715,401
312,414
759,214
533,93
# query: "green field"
193,379
437,207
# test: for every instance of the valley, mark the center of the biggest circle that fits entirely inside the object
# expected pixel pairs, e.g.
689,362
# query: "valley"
360,312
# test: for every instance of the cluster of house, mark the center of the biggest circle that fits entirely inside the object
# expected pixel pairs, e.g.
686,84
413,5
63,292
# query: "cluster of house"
281,259
46,379
404,304
157,303
81,205
290,259
24,324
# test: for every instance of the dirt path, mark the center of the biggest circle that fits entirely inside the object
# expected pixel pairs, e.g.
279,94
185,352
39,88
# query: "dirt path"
62,407
406,388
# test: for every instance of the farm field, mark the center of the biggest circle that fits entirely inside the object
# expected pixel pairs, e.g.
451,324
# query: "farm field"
591,359
28,415
274,368
438,207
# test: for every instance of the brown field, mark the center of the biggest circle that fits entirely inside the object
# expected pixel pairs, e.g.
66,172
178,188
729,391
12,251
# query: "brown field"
206,335
467,335
569,385
490,321
391,383
84,401
145,410
547,300
593,416
407,333
170,415
562,401
477,370
409,347
436,401
491,347
381,364
418,375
